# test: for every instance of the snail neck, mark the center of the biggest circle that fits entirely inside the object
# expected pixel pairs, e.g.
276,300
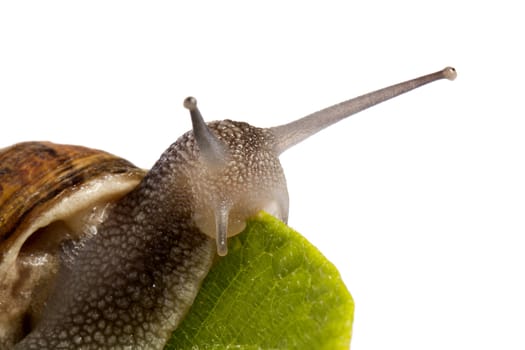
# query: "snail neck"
146,255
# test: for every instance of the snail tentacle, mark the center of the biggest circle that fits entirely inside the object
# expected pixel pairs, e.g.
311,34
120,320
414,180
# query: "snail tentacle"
290,134
211,148
221,217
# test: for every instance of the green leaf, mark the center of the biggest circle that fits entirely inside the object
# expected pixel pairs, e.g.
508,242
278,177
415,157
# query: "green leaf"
273,290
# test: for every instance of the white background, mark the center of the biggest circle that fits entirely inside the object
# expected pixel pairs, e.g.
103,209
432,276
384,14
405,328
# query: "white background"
419,202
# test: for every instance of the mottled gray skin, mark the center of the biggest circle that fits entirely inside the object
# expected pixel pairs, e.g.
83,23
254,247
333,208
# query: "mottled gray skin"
132,283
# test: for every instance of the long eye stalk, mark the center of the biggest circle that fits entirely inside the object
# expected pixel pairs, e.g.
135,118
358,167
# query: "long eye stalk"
292,133
211,148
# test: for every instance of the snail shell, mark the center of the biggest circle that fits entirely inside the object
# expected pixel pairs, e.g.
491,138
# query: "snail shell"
49,194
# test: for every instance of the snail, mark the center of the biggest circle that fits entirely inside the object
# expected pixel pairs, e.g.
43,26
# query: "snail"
96,253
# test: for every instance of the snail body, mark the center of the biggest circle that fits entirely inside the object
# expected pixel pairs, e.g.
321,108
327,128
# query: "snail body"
130,248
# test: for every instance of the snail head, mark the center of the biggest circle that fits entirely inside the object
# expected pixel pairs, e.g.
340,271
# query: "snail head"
240,173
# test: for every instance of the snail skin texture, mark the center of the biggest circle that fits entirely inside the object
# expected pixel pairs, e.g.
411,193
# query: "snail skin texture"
97,254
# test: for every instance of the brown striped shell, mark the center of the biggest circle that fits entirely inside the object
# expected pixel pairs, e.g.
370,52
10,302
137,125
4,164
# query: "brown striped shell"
50,195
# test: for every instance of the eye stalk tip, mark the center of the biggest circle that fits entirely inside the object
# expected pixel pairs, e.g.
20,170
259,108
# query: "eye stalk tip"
190,103
450,73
